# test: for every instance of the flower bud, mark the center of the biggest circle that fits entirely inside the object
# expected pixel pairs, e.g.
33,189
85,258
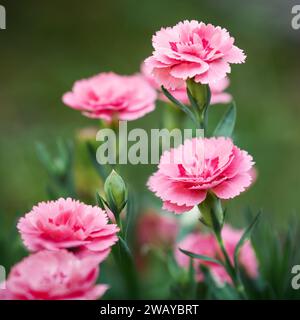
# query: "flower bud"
115,192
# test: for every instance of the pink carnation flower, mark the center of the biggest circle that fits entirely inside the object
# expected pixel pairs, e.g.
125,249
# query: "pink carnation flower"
156,230
218,94
206,244
185,174
68,224
192,49
109,95
53,275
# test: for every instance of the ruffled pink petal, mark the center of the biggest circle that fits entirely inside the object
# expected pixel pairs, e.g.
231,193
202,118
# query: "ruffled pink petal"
164,77
217,70
188,70
172,207
233,187
235,55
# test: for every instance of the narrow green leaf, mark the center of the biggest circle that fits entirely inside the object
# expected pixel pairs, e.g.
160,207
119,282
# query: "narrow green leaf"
125,248
201,257
204,222
206,107
224,217
193,101
123,205
226,125
127,268
111,204
246,236
100,201
192,281
183,107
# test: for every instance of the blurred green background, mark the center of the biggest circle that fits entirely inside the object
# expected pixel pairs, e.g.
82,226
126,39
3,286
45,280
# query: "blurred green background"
49,45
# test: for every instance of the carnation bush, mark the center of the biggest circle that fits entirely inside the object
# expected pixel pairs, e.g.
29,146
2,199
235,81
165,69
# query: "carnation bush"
174,240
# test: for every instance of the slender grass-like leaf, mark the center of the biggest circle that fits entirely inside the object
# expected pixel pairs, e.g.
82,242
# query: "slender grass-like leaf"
226,125
201,257
183,107
193,102
100,201
246,236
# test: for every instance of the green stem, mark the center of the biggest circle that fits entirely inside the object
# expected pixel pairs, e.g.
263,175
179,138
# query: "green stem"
126,265
212,215
125,262
231,270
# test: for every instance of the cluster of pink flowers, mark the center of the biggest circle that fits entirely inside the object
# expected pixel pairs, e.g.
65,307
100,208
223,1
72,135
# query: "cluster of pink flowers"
188,50
206,244
70,239
187,173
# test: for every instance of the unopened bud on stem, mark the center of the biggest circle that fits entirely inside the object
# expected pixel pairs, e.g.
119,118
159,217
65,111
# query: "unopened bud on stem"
115,192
